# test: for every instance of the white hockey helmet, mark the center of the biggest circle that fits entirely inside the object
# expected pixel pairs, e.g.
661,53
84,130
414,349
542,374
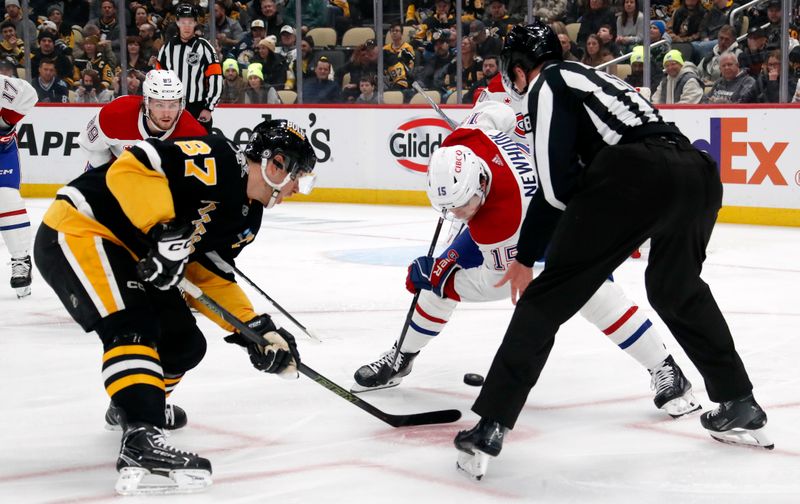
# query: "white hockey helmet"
454,177
162,85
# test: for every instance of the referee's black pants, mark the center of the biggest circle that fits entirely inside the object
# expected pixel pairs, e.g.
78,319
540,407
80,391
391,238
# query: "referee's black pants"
195,108
660,188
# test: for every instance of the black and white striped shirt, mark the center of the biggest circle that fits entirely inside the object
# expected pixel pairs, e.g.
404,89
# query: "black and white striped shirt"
576,110
197,66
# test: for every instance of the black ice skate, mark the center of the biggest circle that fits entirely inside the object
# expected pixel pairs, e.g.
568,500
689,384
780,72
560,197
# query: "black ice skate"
476,445
673,389
174,417
367,376
21,275
739,422
145,452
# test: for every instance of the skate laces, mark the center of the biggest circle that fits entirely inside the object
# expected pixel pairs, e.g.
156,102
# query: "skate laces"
663,377
386,358
20,267
169,414
160,440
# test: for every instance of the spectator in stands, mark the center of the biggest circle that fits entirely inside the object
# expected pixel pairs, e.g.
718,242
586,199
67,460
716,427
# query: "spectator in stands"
11,46
151,44
681,84
76,12
630,26
608,41
245,50
108,24
314,13
774,13
228,31
734,86
658,32
48,50
596,16
726,42
636,77
755,53
794,61
339,15
441,18
267,11
95,60
595,55
14,14
366,86
549,10
64,32
398,61
487,43
258,91
135,58
685,26
566,47
139,16
234,85
498,18
90,90
436,61
321,89
48,86
288,44
717,16
363,63
306,53
133,79
274,66
471,68
489,71
768,81
8,67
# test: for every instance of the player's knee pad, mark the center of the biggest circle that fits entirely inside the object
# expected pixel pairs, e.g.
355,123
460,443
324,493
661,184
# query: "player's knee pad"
10,199
128,327
182,351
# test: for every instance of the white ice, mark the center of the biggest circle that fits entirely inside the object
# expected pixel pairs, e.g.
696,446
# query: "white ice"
589,432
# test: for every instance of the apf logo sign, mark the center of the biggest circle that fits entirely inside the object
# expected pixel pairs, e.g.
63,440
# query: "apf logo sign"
414,141
724,149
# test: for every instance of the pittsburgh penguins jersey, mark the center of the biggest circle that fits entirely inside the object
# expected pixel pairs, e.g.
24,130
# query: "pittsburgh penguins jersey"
201,180
398,63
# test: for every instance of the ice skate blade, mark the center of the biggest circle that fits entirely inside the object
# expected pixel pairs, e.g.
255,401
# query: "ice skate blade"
130,481
681,406
756,438
473,465
356,388
23,292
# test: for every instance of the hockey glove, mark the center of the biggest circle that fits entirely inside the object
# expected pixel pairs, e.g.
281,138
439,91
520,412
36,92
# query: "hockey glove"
164,263
435,275
279,353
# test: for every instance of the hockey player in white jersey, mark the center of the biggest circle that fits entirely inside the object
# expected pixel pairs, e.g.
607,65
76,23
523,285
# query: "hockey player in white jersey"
483,177
17,98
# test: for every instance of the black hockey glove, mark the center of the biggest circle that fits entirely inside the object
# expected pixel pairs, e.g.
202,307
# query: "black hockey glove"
164,263
279,353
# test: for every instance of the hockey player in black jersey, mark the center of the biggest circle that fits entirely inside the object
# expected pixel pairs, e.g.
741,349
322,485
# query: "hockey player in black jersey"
116,242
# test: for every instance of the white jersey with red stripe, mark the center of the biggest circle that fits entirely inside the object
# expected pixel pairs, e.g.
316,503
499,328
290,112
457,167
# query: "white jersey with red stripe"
17,99
121,124
495,227
495,92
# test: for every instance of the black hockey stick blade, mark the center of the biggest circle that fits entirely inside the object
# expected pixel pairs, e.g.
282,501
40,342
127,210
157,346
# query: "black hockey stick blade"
425,418
432,417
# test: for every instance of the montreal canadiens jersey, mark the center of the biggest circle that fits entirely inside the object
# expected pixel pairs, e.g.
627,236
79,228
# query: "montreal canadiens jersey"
496,92
17,99
121,124
496,226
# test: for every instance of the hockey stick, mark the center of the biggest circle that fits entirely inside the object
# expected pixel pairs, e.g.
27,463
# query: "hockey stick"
228,268
429,417
433,104
386,371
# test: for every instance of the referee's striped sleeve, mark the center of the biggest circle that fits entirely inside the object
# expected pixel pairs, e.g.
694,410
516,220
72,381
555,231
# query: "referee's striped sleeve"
213,75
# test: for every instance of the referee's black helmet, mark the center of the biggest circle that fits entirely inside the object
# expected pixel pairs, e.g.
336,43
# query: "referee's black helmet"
285,137
186,10
527,46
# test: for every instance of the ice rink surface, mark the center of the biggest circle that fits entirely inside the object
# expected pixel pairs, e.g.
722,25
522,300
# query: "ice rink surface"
589,432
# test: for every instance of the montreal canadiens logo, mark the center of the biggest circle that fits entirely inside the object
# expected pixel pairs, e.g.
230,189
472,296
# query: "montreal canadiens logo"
413,142
519,128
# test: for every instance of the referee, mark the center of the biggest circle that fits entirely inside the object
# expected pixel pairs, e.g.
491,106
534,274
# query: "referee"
613,173
194,60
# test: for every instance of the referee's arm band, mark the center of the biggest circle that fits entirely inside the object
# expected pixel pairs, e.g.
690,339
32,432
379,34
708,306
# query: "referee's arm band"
213,69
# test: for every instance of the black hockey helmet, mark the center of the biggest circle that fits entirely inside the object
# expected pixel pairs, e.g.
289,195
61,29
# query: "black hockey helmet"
528,46
186,10
279,136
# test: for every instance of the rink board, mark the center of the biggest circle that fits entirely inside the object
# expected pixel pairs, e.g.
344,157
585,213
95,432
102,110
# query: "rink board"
378,155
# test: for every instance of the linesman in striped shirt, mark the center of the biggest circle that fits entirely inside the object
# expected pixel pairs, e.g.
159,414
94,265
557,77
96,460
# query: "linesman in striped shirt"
194,60
612,174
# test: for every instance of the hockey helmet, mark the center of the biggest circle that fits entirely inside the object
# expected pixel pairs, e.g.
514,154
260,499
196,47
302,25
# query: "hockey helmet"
186,10
162,85
528,46
280,136
454,177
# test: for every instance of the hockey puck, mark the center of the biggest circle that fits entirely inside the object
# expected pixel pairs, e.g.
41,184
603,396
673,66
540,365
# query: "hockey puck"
473,379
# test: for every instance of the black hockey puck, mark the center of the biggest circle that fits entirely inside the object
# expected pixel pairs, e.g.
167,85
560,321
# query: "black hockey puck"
473,379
